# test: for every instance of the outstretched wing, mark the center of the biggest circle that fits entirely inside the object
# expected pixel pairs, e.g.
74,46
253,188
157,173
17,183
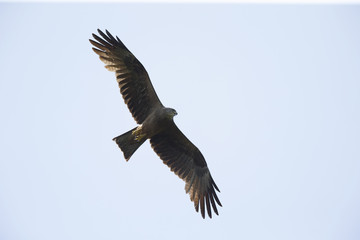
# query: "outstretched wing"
134,82
186,161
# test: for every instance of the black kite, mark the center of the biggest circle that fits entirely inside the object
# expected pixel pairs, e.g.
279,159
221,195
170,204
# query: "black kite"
155,123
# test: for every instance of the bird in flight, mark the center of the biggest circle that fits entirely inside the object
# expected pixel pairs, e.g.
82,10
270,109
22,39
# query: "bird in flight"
155,122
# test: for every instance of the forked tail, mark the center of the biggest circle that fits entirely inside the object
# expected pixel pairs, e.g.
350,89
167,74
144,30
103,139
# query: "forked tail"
128,144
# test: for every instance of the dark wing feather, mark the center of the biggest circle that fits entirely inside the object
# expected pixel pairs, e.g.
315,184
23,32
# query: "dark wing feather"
134,82
186,161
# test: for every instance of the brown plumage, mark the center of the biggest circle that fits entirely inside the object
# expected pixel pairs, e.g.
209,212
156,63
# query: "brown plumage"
156,123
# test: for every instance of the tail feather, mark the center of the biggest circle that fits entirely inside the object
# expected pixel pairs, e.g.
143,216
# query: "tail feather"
128,144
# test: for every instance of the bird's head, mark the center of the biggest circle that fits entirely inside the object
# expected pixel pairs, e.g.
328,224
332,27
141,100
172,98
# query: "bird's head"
171,112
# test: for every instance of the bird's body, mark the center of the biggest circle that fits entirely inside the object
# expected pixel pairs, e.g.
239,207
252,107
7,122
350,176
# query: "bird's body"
156,123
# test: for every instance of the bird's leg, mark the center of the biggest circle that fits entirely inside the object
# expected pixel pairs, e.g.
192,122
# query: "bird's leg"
137,133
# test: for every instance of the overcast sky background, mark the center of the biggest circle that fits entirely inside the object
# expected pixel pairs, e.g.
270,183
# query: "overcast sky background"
269,93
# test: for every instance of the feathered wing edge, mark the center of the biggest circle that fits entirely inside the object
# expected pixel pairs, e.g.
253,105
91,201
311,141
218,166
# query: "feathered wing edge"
202,191
134,83
186,161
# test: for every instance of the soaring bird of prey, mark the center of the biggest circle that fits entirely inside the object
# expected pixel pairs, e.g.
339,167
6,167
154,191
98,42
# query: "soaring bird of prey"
155,122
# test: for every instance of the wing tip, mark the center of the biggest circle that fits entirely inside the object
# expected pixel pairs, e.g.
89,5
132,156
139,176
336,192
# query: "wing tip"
99,31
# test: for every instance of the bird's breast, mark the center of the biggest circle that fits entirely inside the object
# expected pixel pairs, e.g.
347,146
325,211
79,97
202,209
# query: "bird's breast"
156,122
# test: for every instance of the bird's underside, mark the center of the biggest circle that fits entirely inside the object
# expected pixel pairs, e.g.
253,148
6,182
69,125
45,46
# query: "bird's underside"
156,124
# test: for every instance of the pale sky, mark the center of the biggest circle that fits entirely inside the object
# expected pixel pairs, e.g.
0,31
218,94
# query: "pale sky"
270,94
